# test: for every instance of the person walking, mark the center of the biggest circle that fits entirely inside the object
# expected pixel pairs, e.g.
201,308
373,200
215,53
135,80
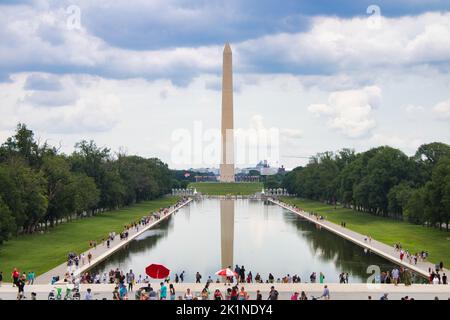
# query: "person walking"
407,277
273,294
163,291
395,275
198,277
20,283
321,277
123,291
15,276
237,270
250,277
242,274
182,276
172,292
130,280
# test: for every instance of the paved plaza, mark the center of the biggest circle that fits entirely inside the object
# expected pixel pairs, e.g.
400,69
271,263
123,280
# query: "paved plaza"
337,291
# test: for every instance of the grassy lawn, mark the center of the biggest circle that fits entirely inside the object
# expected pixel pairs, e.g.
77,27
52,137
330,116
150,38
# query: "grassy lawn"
236,188
42,252
412,237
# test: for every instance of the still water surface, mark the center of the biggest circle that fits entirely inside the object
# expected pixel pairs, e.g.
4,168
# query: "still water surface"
210,234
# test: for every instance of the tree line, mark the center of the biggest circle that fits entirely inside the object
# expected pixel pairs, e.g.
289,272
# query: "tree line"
41,187
382,181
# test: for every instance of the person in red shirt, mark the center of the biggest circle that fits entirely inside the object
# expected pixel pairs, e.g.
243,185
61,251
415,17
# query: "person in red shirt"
15,276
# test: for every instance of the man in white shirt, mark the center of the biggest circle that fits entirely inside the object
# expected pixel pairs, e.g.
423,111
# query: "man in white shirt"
435,280
395,275
88,295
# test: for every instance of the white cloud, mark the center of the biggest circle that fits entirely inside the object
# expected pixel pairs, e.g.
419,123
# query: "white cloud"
89,114
350,111
351,44
407,144
46,90
40,38
320,109
142,114
413,109
291,133
24,43
442,110
84,104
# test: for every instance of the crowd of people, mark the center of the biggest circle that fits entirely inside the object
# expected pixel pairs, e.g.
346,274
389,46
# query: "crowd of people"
166,291
126,282
436,275
412,258
395,276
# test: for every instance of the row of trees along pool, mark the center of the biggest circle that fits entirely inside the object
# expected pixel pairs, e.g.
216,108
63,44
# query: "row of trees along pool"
382,181
41,187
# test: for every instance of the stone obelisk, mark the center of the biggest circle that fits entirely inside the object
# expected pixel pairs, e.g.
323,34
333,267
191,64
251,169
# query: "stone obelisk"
227,137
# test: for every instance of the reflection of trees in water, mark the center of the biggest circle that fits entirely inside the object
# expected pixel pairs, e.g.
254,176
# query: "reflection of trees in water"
326,246
143,243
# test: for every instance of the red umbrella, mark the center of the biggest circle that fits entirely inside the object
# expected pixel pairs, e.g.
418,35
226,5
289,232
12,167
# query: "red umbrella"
227,272
157,271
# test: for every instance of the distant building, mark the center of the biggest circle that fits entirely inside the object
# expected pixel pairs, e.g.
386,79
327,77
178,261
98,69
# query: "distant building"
263,168
214,171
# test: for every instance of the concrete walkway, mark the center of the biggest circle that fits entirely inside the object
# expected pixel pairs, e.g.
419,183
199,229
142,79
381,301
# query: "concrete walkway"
374,246
352,291
101,252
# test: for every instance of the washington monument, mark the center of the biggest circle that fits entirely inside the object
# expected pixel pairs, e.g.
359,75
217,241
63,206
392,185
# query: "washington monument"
227,136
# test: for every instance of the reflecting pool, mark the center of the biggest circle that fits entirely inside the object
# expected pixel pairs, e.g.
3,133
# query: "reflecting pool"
214,233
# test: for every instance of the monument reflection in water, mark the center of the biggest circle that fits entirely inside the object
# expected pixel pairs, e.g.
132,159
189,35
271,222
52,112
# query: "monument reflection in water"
226,232
212,234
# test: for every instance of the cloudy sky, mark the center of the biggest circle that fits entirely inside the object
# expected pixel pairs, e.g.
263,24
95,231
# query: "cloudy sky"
133,74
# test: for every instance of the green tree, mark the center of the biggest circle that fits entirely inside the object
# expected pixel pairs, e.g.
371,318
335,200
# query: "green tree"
398,198
86,195
56,170
23,191
7,225
414,209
